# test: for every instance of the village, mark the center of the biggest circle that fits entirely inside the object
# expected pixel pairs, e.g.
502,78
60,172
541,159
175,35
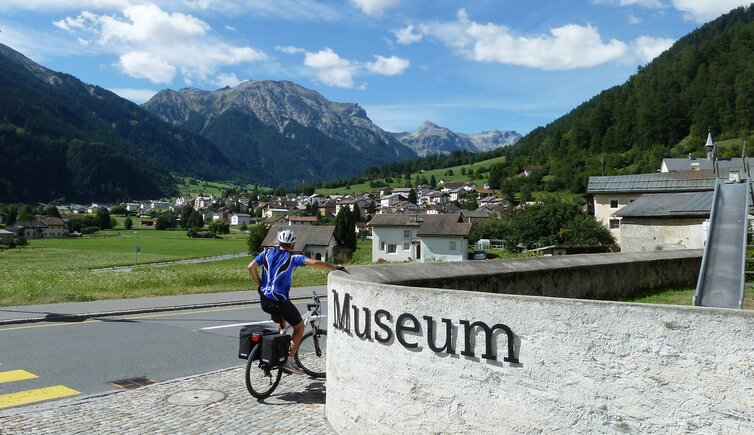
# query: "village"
668,209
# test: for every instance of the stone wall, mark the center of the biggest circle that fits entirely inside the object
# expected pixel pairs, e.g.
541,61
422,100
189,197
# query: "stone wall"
576,366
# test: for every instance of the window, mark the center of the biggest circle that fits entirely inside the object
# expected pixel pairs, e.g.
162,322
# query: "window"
382,246
453,245
406,246
613,203
391,248
614,224
406,233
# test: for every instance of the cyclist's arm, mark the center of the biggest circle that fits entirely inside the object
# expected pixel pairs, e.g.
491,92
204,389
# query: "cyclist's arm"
322,264
252,268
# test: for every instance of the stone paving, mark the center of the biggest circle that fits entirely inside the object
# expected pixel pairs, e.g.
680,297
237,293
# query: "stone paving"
215,402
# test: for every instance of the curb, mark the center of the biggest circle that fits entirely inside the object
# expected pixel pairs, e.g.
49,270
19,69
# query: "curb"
83,316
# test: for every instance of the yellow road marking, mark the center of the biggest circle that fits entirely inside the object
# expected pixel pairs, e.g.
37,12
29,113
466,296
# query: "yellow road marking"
16,375
12,328
36,395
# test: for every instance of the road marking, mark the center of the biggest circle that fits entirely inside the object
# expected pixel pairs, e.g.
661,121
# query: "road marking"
16,375
236,324
184,313
36,395
241,324
13,328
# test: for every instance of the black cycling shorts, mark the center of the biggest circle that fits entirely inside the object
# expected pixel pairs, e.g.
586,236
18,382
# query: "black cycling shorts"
279,311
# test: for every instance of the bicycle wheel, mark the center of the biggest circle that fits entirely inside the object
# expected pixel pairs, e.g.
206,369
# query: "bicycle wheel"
260,382
311,355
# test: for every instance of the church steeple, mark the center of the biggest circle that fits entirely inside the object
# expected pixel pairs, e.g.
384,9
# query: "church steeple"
710,146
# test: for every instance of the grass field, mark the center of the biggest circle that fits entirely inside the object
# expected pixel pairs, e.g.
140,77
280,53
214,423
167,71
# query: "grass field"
192,187
684,297
439,174
57,270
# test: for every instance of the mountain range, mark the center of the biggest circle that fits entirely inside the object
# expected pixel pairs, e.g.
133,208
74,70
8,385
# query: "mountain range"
63,138
281,131
433,139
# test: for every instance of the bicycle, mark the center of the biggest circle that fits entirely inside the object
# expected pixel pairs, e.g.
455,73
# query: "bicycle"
262,379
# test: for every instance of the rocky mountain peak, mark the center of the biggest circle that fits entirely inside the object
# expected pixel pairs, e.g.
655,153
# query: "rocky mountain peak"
431,138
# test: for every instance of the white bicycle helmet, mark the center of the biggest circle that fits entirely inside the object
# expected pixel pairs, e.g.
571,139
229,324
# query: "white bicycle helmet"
286,237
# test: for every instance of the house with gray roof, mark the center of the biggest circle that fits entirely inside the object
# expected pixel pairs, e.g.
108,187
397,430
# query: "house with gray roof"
610,194
315,242
6,237
663,221
419,237
732,169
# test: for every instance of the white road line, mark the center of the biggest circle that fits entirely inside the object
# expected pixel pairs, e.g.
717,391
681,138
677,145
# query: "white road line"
242,324
236,324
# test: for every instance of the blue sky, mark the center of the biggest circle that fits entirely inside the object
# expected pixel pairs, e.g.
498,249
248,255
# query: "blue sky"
466,65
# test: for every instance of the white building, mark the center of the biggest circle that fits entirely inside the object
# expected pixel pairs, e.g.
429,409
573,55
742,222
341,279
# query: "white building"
389,200
240,219
422,238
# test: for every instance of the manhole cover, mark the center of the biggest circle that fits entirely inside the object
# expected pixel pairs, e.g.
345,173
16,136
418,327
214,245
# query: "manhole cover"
196,397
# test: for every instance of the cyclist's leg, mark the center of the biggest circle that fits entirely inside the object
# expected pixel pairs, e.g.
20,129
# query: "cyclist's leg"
298,332
291,315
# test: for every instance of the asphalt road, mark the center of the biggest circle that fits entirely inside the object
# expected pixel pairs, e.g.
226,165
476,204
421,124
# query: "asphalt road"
88,356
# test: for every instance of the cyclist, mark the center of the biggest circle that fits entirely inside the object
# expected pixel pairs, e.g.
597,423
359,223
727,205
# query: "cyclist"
277,270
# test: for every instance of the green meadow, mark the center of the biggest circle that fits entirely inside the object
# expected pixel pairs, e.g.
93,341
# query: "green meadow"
58,270
439,174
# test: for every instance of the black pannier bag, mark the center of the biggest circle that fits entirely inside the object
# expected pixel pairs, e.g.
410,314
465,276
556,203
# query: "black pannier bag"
249,336
275,349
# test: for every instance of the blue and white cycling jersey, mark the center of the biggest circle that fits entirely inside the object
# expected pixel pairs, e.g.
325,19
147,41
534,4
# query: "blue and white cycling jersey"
277,270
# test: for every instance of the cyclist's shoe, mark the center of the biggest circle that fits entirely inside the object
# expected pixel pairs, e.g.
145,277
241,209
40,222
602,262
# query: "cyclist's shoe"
291,368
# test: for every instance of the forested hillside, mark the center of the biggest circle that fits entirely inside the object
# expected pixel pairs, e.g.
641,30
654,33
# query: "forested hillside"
60,137
705,81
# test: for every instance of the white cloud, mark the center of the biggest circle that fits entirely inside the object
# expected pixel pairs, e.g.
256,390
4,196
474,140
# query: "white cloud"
62,5
39,45
138,96
705,10
374,7
308,10
156,45
698,11
567,47
647,48
407,36
388,66
331,69
289,49
147,66
305,10
230,28
633,19
150,23
651,4
224,80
